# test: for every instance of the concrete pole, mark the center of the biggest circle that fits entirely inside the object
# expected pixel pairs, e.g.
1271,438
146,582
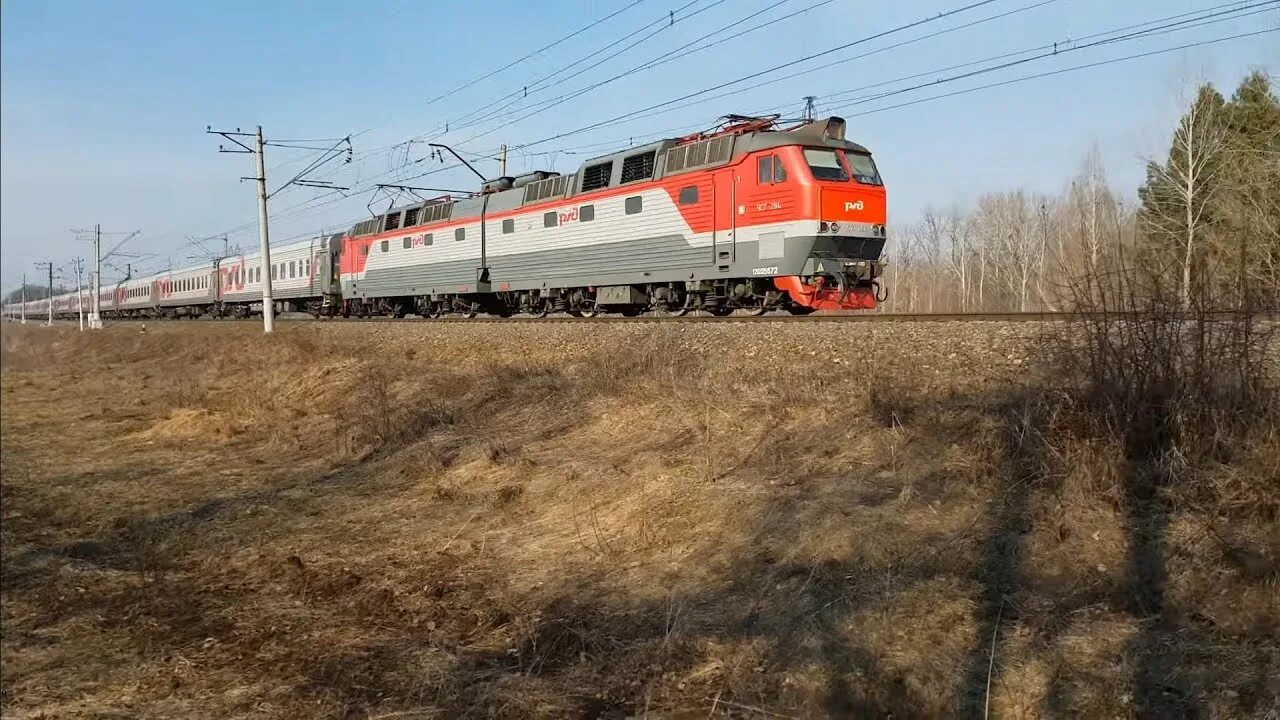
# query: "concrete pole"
80,292
24,298
50,293
95,317
268,308
502,160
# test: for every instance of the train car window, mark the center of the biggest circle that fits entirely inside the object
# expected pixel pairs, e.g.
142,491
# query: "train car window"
407,243
689,195
864,168
825,165
293,271
587,213
595,177
549,219
386,245
633,204
428,239
460,234
779,172
638,167
364,250
764,170
508,226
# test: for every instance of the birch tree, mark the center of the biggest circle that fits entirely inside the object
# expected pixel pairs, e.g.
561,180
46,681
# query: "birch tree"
1179,194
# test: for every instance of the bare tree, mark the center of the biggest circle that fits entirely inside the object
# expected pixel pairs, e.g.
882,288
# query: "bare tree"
959,253
928,236
1092,200
1179,193
1006,221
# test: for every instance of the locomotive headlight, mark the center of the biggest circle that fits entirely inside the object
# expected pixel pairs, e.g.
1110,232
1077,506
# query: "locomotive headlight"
835,227
822,226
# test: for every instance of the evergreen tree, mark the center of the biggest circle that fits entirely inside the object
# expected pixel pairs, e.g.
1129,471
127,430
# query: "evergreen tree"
1251,204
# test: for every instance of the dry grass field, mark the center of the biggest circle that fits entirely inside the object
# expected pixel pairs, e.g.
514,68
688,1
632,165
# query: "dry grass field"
616,520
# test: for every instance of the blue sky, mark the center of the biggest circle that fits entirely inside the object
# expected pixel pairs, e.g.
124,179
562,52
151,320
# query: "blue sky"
103,105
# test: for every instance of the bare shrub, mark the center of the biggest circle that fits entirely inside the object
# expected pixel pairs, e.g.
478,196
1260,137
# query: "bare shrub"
1141,367
390,418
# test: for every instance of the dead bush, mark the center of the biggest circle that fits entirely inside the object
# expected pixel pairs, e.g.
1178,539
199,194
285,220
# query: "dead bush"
1166,378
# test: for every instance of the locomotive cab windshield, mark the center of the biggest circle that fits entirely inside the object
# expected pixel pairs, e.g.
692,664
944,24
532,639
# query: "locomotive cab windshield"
830,165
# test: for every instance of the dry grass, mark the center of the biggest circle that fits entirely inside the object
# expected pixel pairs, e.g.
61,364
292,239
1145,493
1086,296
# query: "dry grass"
668,531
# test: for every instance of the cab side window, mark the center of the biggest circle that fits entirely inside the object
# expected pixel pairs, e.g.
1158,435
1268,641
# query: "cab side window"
769,170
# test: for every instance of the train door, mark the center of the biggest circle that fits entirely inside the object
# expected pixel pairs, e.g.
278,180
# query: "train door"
724,195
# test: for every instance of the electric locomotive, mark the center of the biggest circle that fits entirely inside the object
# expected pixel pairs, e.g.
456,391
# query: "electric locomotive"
750,217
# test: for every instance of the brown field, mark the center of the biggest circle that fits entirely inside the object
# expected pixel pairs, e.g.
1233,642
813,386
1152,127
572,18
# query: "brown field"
593,520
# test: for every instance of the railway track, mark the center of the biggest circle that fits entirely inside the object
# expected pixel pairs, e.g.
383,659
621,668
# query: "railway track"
1042,317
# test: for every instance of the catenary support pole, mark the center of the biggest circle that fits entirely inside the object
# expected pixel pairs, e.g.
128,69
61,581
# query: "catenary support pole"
95,317
80,292
49,297
268,308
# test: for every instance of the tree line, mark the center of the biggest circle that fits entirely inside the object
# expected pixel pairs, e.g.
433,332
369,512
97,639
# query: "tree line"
1203,227
34,292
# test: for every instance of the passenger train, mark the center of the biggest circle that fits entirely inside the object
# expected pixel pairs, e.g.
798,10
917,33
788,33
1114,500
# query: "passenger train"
751,216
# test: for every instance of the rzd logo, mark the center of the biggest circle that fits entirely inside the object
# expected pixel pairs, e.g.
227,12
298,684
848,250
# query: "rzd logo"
853,206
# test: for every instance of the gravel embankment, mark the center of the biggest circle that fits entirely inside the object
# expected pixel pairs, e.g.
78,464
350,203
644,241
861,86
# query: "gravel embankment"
990,350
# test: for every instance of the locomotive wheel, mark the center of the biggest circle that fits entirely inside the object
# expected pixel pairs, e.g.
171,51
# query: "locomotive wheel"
584,313
753,311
